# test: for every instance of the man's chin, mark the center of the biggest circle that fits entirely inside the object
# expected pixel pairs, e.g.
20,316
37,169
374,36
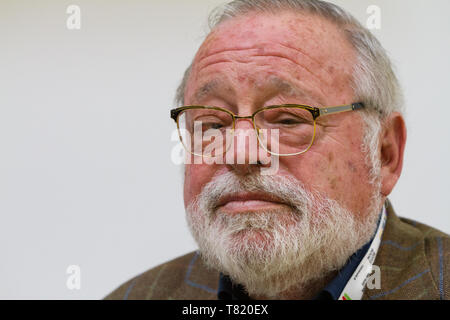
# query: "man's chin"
251,239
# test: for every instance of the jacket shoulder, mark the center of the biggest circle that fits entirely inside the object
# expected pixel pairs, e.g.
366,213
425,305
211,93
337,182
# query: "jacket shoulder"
437,253
184,278
414,260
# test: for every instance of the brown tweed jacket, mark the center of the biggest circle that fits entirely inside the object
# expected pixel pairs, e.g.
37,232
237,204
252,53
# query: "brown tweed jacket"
414,261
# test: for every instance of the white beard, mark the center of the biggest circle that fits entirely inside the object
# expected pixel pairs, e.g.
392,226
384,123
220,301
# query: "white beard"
277,251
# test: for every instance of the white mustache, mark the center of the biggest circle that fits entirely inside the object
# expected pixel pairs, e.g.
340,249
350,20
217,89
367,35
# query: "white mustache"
288,189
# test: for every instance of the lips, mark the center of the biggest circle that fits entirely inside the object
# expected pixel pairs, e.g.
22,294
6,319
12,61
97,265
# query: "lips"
248,201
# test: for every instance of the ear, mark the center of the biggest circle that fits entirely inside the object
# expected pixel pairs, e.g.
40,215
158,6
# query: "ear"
392,144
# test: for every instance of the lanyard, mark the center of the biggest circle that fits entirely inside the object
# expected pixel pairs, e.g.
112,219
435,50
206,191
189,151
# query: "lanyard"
355,286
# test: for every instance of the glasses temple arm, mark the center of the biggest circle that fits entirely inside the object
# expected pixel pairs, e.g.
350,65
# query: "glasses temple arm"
332,110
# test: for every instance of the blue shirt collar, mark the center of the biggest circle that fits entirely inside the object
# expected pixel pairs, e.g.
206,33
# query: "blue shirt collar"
335,287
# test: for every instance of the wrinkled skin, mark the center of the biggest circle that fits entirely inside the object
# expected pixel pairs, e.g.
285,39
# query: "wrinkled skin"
259,60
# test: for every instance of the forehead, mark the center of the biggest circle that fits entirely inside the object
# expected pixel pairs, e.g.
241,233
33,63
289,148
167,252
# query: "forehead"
318,39
308,52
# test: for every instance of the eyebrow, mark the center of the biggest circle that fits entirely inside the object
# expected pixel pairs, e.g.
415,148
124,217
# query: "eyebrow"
206,89
283,86
286,88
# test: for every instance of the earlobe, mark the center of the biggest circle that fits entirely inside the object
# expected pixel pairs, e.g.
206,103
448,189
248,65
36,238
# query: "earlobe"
392,144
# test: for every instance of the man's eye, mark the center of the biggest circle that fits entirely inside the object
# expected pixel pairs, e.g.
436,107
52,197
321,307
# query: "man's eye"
212,125
216,126
290,121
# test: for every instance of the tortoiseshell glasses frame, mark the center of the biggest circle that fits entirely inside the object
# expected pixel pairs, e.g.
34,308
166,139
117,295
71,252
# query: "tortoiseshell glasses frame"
315,113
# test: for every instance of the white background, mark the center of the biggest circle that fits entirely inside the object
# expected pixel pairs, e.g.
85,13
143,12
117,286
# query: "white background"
86,176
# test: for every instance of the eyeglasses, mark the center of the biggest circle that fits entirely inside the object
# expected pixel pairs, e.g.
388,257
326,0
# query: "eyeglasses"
282,130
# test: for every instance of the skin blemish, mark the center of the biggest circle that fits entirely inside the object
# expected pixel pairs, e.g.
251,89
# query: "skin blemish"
351,166
293,28
330,156
331,69
333,183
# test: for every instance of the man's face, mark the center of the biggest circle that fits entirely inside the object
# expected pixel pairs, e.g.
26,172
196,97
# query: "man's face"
260,60
252,62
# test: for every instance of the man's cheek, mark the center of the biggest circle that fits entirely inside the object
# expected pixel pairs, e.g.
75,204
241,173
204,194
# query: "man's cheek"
188,190
196,176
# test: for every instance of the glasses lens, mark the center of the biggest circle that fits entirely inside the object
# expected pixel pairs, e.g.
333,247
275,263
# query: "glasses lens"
285,130
204,132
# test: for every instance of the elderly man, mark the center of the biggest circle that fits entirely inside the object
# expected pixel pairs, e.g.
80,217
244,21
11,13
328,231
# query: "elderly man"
305,214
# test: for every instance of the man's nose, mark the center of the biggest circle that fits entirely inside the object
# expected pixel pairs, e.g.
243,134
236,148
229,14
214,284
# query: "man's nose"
245,153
